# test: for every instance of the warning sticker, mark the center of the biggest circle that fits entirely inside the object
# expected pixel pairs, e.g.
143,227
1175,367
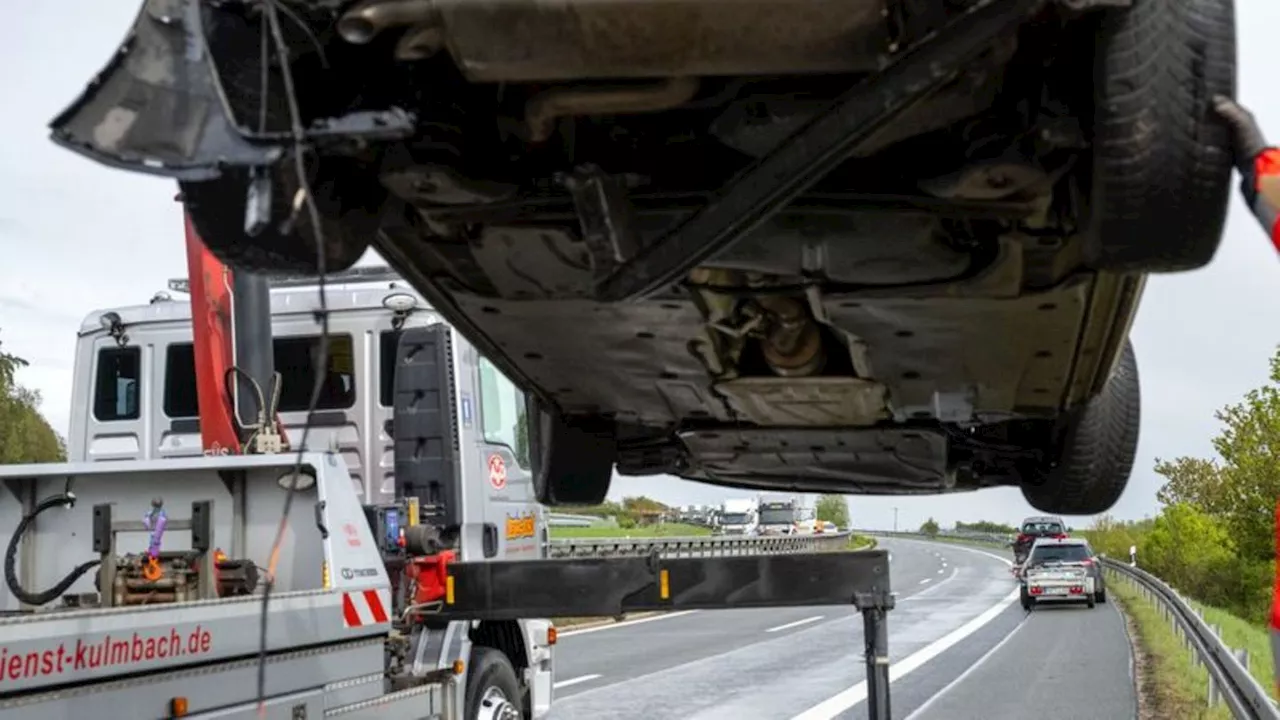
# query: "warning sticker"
497,472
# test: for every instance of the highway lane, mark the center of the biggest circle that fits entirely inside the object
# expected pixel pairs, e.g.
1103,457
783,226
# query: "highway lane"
802,663
1063,662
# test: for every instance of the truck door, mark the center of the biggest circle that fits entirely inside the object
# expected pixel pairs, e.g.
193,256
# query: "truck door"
117,428
501,454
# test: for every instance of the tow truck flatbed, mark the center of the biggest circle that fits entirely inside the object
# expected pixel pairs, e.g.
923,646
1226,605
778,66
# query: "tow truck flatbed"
324,660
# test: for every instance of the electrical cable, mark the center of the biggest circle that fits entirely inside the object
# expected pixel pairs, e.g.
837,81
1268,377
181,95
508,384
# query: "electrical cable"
67,500
304,195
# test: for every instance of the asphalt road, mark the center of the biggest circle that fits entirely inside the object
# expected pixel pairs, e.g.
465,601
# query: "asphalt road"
960,647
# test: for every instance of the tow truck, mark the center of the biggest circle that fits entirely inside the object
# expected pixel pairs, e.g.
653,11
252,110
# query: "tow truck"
257,580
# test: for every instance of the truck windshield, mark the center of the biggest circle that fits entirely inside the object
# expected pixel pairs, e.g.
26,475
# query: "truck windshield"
1059,553
734,519
777,516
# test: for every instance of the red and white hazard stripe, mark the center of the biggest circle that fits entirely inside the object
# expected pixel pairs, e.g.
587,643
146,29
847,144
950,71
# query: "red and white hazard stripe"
365,607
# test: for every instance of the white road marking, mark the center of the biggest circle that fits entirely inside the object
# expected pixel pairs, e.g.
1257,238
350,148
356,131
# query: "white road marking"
842,701
959,679
933,589
574,681
797,623
624,623
941,570
922,582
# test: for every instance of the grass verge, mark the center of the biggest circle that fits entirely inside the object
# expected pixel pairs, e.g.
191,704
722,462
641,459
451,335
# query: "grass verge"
613,532
1239,633
1170,683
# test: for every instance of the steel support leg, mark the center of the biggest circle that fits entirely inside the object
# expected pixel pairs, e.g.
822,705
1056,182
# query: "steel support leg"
252,344
874,608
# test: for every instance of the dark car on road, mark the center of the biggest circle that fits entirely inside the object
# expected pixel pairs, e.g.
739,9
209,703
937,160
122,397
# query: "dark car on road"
1034,528
826,246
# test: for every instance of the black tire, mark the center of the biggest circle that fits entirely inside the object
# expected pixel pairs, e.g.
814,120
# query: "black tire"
1162,158
572,458
490,669
1100,596
350,203
1027,602
1090,602
1097,451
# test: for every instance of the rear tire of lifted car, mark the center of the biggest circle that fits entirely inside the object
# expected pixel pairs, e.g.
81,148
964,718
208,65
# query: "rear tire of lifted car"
1100,596
1096,455
572,457
1162,159
349,204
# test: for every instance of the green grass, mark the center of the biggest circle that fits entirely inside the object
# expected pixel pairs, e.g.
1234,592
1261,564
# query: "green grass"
1170,681
1239,633
612,531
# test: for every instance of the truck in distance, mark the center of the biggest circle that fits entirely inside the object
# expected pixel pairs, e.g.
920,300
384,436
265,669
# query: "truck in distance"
737,517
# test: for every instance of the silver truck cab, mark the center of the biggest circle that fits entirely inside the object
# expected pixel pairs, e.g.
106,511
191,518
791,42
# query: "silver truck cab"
134,393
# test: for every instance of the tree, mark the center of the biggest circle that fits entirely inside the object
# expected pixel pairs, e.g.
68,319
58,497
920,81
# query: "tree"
833,509
929,527
1242,491
25,436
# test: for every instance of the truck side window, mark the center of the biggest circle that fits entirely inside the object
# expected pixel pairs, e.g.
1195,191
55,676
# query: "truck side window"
295,361
388,343
502,412
115,391
180,399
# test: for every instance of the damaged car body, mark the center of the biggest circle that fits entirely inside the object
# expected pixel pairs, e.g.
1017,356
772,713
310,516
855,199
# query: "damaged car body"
850,246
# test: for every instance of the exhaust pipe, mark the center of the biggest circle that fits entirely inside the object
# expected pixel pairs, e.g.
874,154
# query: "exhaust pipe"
363,23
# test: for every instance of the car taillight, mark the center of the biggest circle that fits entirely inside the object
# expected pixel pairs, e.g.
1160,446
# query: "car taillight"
1076,590
1023,538
1060,536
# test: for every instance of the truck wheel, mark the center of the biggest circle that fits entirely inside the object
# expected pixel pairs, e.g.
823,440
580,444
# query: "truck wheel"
493,693
1027,602
1096,455
1100,596
572,458
349,202
1090,602
1158,64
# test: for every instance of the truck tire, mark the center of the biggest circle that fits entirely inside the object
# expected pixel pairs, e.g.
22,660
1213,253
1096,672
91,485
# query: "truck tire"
493,693
1158,64
1096,455
1027,602
1100,596
1090,602
572,458
349,207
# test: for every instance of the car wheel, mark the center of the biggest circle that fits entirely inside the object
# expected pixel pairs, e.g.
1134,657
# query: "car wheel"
492,688
1100,596
1027,602
1158,65
572,458
1089,601
350,204
1096,455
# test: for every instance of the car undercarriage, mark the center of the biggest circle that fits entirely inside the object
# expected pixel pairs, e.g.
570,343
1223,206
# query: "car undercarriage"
887,247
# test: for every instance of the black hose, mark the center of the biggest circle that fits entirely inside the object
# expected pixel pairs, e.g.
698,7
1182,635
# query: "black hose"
11,557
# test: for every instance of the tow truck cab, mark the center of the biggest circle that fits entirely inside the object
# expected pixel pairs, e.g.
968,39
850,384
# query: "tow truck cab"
135,398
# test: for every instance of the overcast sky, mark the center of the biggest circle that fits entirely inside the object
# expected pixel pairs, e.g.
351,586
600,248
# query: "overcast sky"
77,236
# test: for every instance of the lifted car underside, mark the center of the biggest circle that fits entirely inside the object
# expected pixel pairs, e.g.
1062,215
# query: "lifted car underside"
876,247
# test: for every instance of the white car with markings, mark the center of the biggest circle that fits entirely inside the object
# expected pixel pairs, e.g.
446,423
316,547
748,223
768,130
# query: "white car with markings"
1057,571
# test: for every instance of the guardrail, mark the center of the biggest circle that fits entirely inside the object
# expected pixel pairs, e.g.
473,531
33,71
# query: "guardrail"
1229,678
567,520
707,546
